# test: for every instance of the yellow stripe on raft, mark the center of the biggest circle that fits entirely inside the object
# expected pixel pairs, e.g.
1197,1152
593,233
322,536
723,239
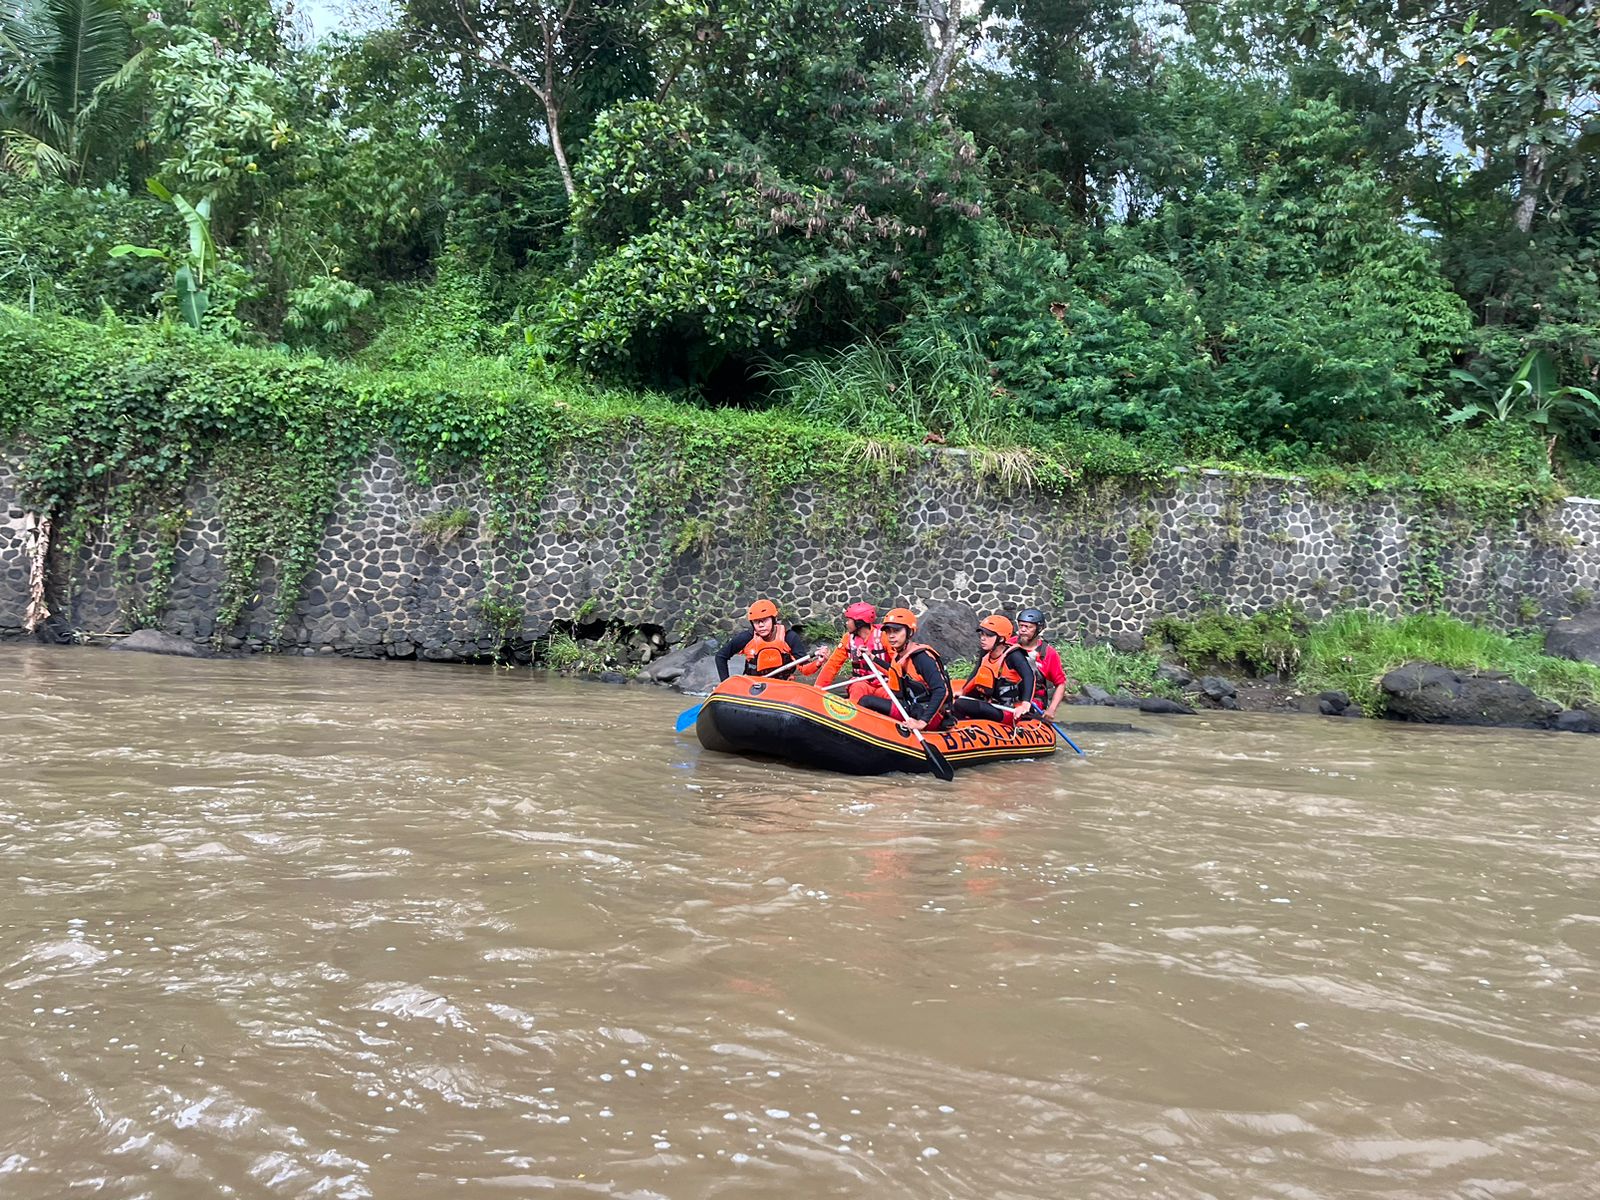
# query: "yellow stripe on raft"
910,750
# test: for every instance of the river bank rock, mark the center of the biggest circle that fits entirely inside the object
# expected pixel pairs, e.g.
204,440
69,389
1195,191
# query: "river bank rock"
153,641
1577,720
1332,704
700,676
669,668
1174,674
1160,704
1436,695
1220,691
1577,638
950,628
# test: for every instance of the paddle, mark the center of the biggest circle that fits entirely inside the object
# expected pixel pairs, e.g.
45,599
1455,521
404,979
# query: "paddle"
937,762
691,714
1060,732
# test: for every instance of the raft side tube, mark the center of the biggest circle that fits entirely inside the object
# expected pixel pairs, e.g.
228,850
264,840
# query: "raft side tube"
781,719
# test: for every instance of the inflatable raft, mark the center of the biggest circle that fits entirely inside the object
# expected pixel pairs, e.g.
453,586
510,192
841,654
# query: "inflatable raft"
775,718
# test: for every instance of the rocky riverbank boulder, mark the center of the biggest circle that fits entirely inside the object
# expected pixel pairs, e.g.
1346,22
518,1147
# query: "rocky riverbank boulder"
1577,720
1438,695
1173,673
1160,704
700,676
669,668
1220,691
153,641
950,628
1577,638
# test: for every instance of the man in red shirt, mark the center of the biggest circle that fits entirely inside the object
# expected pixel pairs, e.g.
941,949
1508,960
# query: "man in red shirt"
1047,669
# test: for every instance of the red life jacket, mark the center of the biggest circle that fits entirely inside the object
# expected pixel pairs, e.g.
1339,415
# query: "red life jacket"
1041,686
860,649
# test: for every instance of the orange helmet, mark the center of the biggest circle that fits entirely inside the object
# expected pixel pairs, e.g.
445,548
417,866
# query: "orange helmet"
762,608
901,616
998,625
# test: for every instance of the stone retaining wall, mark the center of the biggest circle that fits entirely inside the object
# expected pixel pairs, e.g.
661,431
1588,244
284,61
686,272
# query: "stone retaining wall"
940,532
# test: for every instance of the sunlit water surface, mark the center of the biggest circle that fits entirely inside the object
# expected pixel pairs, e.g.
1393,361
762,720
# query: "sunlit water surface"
309,928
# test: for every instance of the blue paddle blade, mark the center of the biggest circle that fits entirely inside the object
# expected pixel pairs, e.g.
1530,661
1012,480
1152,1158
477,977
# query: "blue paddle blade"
688,717
1062,734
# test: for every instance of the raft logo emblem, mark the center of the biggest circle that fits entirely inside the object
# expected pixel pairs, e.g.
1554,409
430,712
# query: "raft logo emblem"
839,710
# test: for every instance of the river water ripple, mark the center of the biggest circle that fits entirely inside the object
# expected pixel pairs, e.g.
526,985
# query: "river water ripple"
305,928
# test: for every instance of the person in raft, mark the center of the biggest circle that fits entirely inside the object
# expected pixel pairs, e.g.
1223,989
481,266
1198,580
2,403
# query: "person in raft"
862,640
1002,684
765,646
1047,669
915,675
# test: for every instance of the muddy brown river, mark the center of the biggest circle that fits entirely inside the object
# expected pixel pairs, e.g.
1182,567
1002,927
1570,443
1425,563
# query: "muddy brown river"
291,928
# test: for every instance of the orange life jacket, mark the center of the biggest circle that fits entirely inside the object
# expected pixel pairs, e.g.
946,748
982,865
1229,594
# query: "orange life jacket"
996,680
763,655
905,680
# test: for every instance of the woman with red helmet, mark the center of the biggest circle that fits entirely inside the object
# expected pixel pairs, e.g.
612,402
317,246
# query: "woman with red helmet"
1002,684
862,640
765,646
915,675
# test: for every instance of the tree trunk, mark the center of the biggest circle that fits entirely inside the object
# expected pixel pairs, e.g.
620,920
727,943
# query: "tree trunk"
38,554
947,21
1533,172
552,121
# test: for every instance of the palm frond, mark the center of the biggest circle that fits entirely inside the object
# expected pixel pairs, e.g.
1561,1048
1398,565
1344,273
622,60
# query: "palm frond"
28,157
108,89
94,45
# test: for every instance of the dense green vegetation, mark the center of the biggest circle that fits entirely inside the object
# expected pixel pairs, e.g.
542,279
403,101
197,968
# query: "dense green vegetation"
1313,235
1349,652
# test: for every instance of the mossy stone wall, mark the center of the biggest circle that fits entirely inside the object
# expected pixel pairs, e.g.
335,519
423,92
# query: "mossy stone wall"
406,570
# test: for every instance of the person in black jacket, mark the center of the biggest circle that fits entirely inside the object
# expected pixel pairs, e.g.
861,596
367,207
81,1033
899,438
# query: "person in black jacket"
765,646
1003,683
915,676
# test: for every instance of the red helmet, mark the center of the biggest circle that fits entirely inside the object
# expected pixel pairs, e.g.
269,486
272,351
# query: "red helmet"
762,608
861,611
998,625
901,616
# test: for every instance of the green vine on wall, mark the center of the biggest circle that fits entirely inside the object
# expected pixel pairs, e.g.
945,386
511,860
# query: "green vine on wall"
119,422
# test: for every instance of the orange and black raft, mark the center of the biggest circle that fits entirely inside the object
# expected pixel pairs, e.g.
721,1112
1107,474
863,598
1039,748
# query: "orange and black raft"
777,718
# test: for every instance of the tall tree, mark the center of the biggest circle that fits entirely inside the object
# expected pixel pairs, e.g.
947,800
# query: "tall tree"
548,47
1517,80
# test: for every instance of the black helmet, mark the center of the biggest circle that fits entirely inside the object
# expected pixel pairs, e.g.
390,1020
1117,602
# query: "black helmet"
1031,616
